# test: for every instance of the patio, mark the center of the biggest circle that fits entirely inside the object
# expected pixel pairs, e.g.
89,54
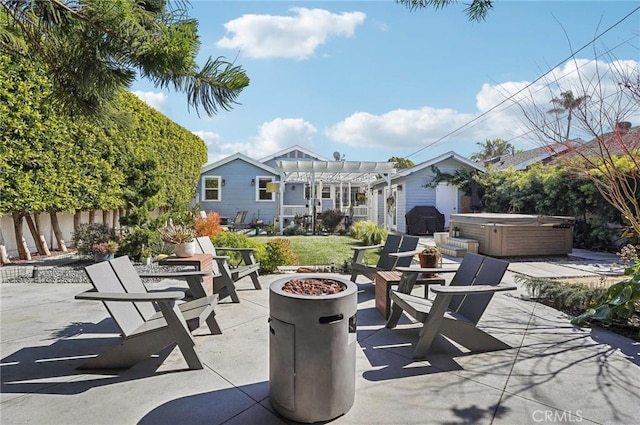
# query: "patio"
554,374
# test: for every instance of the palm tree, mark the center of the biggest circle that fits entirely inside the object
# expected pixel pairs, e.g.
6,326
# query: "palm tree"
492,148
567,102
94,48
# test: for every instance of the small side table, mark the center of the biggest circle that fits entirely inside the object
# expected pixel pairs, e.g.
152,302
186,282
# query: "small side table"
202,262
384,281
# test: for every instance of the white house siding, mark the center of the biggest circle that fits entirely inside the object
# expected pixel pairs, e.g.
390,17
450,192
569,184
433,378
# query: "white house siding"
238,194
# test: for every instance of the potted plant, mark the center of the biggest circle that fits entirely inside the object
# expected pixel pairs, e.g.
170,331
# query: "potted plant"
145,255
180,235
104,251
430,257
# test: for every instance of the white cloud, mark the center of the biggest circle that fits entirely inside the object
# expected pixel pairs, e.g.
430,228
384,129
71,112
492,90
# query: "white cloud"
154,99
217,149
417,128
281,133
273,136
297,36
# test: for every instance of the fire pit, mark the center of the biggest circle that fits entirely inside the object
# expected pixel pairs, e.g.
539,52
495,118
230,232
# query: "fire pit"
312,346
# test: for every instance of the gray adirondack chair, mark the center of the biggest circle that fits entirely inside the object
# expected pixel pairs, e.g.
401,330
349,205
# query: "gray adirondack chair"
456,309
238,221
142,335
200,310
230,275
394,244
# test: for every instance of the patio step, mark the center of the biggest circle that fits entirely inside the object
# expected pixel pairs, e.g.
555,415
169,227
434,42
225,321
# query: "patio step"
452,250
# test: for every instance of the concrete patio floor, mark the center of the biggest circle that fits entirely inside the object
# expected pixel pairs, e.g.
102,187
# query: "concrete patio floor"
555,373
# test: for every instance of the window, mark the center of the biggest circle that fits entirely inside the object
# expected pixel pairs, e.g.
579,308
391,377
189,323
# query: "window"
326,192
211,188
261,188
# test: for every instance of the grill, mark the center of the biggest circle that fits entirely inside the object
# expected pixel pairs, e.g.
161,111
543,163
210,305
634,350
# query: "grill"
424,220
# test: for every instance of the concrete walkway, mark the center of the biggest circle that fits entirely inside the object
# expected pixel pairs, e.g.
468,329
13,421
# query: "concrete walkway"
555,373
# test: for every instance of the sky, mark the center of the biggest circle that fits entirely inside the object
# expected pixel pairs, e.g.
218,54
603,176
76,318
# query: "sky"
372,79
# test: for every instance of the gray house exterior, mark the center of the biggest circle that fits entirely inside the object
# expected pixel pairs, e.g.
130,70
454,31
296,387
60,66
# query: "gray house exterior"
407,190
238,183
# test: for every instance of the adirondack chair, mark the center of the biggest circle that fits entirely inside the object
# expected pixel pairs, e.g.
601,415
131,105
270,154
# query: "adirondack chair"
456,309
228,274
200,310
386,262
143,334
238,221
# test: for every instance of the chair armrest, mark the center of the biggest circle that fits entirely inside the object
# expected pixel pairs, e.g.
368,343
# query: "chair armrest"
362,248
473,289
221,257
425,270
175,274
92,294
404,254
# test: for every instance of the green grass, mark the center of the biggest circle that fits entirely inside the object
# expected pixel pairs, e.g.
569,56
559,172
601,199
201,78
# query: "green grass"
323,250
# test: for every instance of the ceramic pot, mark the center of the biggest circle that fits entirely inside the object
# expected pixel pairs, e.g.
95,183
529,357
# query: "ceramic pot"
185,249
99,257
145,261
429,261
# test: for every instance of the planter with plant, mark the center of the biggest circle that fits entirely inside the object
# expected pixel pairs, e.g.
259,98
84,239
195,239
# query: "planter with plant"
104,251
180,235
145,255
430,257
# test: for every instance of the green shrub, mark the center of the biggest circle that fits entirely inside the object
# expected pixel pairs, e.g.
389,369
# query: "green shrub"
87,235
137,237
238,240
331,220
278,253
368,232
569,297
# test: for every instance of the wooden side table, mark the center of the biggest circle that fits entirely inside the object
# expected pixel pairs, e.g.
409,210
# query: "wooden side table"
384,281
202,262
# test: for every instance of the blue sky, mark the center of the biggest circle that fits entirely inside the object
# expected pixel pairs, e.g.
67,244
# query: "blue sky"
371,80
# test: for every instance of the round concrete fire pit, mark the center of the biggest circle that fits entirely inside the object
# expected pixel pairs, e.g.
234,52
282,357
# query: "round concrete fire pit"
312,346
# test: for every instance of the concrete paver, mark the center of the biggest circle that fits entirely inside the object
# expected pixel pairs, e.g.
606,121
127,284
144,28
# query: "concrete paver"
555,373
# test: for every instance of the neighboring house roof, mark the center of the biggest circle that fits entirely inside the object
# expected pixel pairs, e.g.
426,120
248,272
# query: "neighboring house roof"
619,142
282,153
434,161
241,157
523,159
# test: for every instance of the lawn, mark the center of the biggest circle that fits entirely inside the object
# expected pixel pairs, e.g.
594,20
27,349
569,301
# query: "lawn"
323,250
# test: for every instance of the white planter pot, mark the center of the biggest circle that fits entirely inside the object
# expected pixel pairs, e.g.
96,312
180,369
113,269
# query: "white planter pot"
186,249
145,261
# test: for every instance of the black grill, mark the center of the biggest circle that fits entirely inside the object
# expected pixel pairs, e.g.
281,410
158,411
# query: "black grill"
424,220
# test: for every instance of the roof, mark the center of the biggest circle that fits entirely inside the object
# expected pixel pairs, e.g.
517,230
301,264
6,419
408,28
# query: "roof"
521,160
237,156
618,143
333,171
448,155
291,149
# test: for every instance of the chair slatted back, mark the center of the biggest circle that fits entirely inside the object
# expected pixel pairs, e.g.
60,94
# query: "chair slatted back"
131,282
491,273
104,279
391,245
205,246
465,275
409,243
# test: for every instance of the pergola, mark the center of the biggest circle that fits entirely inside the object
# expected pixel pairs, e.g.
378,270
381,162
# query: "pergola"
336,172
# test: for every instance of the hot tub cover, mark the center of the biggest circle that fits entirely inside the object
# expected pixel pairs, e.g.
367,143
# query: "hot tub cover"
513,219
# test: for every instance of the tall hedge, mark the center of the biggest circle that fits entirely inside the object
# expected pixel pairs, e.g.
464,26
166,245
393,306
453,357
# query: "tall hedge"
52,162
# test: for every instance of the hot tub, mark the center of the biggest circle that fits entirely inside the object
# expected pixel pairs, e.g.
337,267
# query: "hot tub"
515,235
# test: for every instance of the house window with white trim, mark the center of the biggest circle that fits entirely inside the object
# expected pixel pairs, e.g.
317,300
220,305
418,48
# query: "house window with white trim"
211,188
261,189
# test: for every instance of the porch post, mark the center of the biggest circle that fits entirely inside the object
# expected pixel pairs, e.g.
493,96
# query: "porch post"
281,204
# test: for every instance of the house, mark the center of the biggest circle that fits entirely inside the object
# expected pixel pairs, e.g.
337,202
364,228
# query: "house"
407,189
239,183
